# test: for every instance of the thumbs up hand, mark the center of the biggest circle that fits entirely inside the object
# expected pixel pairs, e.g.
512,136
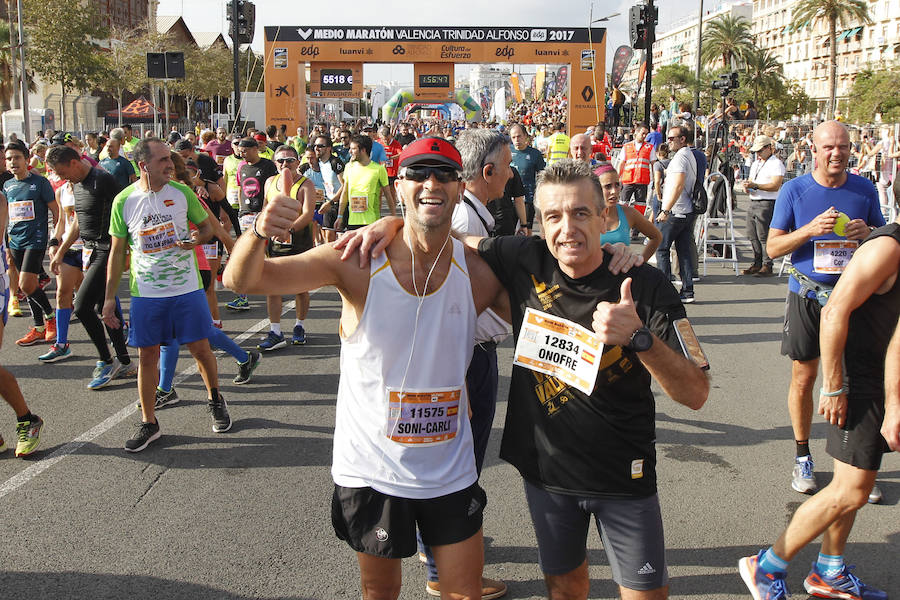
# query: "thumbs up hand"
615,322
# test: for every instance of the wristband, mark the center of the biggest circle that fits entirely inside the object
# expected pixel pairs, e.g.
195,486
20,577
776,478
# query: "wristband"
53,242
834,394
257,234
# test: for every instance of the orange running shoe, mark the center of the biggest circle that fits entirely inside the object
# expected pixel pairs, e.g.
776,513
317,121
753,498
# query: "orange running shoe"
31,338
50,330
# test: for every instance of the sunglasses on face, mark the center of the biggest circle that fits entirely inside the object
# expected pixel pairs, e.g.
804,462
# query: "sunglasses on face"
288,160
320,146
420,174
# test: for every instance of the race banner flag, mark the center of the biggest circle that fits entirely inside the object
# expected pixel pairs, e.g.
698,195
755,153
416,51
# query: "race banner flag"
620,63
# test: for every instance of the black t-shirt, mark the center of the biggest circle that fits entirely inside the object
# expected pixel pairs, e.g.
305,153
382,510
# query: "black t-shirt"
4,177
405,139
93,204
209,170
504,209
869,333
252,180
556,436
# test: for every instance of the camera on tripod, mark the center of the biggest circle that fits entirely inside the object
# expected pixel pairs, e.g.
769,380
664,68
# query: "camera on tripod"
726,82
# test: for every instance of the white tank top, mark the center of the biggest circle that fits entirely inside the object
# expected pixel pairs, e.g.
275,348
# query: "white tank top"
421,446
67,200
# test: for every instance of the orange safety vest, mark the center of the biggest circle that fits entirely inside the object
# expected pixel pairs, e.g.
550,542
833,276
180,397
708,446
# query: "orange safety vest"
637,164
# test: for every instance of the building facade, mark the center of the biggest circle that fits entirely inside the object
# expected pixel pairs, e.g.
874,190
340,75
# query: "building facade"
803,48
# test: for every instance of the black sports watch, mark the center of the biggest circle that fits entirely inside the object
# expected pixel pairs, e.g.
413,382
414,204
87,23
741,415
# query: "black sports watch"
641,340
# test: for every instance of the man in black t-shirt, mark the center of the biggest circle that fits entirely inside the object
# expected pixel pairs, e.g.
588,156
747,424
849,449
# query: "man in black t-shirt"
580,421
94,191
509,210
253,172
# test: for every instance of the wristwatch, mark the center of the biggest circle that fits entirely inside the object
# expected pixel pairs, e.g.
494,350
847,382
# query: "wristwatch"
641,340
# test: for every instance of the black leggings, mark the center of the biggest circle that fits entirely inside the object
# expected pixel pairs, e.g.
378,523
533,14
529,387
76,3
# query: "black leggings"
232,215
89,302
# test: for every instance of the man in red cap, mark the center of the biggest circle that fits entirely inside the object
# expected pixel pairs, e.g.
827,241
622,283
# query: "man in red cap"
264,150
403,450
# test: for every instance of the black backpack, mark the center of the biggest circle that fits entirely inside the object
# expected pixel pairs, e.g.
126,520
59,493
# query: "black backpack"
699,199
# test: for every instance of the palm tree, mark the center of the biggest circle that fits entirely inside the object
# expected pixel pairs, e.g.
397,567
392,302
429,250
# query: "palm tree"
831,12
764,71
726,38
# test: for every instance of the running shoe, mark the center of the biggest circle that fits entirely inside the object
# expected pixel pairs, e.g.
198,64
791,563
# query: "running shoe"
273,341
29,434
57,353
164,398
220,417
762,585
299,335
804,479
245,369
20,296
129,370
875,496
98,368
50,330
239,303
107,374
844,585
143,435
44,279
14,309
31,338
686,297
490,588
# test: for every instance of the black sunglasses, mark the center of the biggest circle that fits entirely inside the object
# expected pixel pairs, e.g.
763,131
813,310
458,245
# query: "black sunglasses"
320,145
420,174
289,159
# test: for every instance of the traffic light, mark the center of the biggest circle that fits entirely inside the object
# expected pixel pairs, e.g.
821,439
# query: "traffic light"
642,20
246,20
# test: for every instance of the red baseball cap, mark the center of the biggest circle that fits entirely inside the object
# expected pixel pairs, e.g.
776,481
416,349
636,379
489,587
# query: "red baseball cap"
260,137
431,150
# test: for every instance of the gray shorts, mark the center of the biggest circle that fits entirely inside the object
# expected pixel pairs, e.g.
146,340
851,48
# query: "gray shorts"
630,528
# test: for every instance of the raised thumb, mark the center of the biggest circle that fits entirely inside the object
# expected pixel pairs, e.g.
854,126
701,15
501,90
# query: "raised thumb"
626,292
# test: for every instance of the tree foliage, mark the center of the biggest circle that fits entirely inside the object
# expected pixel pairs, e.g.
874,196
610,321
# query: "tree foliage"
7,81
764,72
726,38
875,91
59,43
832,13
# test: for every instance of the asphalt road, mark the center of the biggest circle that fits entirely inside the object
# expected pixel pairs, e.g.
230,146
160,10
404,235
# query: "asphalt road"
245,514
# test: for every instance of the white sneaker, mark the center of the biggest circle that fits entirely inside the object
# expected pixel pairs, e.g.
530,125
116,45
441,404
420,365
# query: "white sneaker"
804,479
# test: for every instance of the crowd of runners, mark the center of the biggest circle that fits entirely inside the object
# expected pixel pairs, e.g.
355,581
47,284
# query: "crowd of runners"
443,239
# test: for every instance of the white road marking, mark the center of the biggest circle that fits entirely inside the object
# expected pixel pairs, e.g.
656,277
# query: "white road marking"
20,479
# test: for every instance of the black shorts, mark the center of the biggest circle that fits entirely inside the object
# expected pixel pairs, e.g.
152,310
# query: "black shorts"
329,217
859,441
28,260
800,336
73,259
385,526
301,241
631,530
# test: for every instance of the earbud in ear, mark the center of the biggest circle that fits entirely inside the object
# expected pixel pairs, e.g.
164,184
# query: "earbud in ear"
490,171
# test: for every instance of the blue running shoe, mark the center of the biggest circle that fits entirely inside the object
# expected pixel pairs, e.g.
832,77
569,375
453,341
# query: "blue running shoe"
57,353
239,303
107,374
844,585
299,335
273,341
762,585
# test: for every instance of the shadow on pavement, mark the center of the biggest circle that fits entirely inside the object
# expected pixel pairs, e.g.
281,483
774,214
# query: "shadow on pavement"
72,584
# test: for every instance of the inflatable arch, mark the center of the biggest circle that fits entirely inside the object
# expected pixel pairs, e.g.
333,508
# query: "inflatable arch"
391,109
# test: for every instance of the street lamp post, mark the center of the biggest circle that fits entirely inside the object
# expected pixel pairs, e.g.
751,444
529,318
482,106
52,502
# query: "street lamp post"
699,64
592,20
